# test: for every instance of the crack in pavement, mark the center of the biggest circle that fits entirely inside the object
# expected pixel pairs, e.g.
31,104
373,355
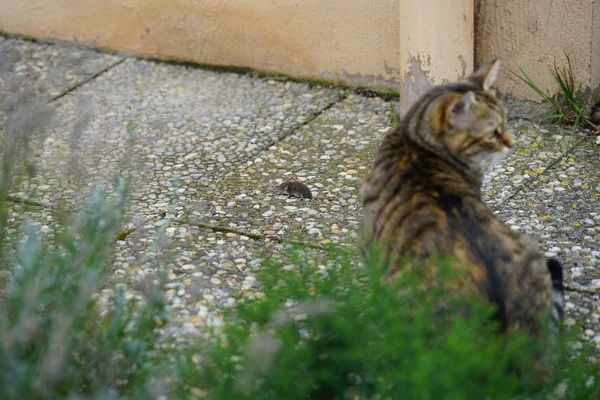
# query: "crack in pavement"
292,131
548,168
253,236
91,78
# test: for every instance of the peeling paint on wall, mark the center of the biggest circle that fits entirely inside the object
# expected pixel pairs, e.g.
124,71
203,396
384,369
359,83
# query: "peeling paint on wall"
437,45
464,67
419,78
416,81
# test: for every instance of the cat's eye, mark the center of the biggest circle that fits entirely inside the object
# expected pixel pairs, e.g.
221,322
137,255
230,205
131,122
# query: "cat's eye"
493,134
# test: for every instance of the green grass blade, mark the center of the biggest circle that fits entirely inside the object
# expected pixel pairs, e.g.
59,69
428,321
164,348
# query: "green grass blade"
554,116
576,122
527,80
566,82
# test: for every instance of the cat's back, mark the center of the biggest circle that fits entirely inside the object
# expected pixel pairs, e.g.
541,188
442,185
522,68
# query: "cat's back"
416,205
407,195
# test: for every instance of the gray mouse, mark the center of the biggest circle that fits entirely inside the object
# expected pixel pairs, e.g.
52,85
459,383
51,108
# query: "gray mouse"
295,189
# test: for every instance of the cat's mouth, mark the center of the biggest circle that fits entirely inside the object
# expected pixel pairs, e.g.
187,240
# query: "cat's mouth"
508,144
499,155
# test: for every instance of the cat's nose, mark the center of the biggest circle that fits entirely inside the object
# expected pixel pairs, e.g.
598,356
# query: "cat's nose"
508,139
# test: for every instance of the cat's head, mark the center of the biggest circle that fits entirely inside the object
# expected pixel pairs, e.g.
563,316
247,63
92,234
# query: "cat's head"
470,120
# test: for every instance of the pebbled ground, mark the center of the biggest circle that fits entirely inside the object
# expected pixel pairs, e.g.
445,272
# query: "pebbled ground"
206,149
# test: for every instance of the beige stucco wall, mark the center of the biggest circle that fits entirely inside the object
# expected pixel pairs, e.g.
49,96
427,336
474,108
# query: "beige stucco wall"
402,44
436,45
532,34
595,79
352,40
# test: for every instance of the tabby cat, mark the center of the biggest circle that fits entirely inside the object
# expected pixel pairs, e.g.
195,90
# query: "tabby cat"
423,197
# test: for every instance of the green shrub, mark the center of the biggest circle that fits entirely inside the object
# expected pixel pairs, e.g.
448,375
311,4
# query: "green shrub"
54,340
318,333
342,334
58,338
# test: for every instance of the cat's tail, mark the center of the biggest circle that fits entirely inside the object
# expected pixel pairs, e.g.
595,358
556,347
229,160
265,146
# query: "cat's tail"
558,296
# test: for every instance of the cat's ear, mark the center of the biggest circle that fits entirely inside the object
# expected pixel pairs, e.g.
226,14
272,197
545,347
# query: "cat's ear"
486,75
460,115
464,104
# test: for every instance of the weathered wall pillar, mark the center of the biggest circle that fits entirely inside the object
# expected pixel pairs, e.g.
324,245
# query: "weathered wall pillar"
436,45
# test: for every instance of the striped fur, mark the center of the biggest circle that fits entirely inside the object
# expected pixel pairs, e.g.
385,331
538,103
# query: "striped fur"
423,197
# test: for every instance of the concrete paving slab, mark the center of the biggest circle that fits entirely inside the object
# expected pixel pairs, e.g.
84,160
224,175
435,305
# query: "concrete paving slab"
208,271
536,148
155,121
560,208
49,69
562,204
332,155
